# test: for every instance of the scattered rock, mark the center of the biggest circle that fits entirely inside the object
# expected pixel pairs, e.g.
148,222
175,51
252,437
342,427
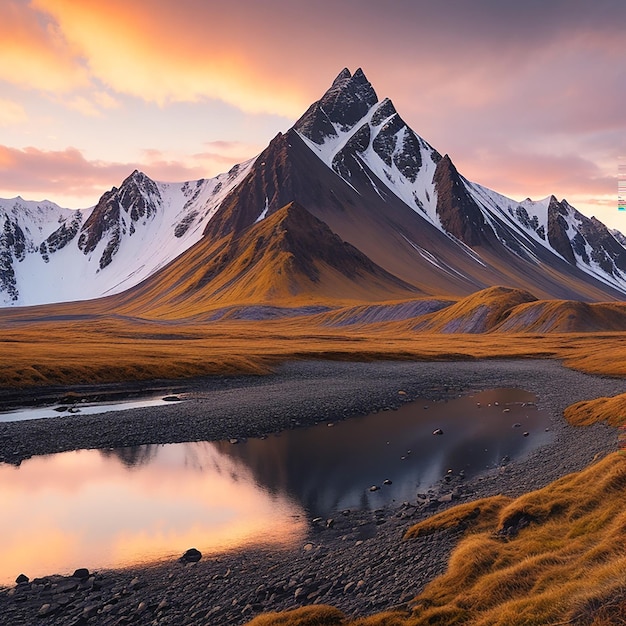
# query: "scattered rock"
47,609
171,399
387,482
374,488
437,431
191,556
82,573
22,579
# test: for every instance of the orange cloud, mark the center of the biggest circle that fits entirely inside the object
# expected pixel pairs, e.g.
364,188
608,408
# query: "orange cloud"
160,52
34,53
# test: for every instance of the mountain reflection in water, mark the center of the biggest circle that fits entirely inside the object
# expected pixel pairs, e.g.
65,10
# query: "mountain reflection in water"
328,469
111,508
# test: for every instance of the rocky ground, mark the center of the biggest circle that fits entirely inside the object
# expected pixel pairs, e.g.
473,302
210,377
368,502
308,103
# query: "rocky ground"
358,561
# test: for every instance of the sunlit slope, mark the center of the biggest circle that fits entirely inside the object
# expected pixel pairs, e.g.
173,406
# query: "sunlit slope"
289,258
478,313
565,316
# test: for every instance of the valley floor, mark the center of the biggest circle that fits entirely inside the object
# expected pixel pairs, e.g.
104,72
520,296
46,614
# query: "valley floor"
361,564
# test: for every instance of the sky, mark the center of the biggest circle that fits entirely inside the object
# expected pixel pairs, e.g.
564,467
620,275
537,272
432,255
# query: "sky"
526,97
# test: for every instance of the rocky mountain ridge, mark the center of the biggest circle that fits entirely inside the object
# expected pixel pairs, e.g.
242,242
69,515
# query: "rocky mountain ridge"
354,164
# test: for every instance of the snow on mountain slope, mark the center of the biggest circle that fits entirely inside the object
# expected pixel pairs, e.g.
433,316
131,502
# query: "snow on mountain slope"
558,226
403,204
380,139
351,131
50,254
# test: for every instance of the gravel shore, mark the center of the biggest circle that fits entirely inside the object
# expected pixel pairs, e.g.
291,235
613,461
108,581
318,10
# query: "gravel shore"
358,562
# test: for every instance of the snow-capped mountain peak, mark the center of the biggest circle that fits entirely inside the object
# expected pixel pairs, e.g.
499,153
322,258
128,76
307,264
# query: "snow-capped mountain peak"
355,134
49,254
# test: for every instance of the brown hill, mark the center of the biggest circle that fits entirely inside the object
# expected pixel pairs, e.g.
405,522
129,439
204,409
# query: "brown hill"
289,258
478,313
565,316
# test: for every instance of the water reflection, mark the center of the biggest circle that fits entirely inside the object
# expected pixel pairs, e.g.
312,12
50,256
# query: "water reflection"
330,468
97,509
111,508
80,408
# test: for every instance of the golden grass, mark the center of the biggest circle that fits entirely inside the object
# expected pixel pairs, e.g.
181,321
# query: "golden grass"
563,562
610,410
472,516
306,616
108,349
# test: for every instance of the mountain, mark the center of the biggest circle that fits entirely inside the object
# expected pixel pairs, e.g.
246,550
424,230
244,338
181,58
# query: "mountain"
290,258
50,254
349,168
355,164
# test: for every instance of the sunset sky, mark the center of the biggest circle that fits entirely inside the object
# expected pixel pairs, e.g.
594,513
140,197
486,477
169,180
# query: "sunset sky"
527,98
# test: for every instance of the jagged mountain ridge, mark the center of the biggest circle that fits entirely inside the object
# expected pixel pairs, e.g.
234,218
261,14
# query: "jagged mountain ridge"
353,163
381,141
51,254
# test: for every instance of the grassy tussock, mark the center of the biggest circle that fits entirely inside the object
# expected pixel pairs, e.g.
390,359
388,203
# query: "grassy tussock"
471,517
610,410
305,616
383,619
570,552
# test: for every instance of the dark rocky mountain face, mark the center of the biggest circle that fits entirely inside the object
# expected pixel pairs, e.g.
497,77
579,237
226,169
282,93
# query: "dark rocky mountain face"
557,230
459,214
117,214
344,104
12,246
582,240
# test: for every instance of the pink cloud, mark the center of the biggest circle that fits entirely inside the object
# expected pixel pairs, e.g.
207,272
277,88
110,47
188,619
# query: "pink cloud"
67,173
524,173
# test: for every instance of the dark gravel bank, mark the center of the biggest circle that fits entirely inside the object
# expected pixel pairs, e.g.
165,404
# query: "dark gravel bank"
359,562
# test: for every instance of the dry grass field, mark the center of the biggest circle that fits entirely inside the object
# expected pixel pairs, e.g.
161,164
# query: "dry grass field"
553,556
124,338
109,349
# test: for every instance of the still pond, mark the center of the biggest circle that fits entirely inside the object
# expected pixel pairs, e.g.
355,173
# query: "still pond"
118,507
